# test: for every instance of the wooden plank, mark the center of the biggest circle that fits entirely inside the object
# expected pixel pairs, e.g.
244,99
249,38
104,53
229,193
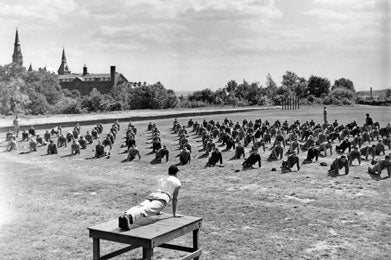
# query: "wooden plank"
155,228
158,231
147,253
193,255
120,238
95,249
196,244
162,219
118,252
177,247
174,234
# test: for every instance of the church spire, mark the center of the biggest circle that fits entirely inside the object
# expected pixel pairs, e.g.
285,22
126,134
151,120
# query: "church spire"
63,69
17,37
63,58
30,68
17,56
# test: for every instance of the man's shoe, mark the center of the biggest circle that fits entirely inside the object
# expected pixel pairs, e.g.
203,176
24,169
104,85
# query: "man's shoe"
123,222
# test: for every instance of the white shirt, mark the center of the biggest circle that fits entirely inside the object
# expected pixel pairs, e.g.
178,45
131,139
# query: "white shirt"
168,184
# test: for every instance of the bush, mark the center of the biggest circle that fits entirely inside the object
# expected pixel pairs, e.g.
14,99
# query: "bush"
67,106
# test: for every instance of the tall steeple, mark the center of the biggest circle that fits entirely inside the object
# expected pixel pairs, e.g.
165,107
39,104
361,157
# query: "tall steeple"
17,57
30,68
63,69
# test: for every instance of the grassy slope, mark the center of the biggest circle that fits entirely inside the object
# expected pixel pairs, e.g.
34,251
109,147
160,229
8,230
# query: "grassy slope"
47,202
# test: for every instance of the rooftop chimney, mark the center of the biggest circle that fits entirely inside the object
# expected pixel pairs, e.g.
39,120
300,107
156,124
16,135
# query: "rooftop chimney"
85,72
112,73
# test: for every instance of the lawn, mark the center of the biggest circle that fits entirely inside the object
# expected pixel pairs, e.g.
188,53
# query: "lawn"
47,202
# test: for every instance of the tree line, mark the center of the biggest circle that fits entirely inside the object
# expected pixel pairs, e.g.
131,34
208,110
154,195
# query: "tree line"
39,92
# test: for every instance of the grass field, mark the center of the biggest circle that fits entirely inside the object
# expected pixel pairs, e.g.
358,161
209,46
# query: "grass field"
47,202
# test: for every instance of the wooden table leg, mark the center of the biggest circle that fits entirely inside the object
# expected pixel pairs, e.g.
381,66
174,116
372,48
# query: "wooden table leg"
196,243
95,248
147,253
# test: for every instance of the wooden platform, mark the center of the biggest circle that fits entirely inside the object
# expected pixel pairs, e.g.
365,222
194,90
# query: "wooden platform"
149,233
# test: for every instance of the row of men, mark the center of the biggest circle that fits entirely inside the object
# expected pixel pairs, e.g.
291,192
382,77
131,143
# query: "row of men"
216,156
277,149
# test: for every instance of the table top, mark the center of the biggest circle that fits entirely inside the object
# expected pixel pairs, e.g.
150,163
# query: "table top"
148,228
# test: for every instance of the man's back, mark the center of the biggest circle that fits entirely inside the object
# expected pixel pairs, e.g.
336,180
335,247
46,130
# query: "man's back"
168,184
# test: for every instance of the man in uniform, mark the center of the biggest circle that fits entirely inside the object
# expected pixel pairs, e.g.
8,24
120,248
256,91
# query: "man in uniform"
337,165
355,154
82,142
239,151
252,159
61,141
368,150
215,157
326,146
16,125
107,142
88,138
32,145
369,121
292,160
99,150
47,136
161,153
12,144
25,135
52,147
325,116
75,147
312,153
132,153
381,165
277,152
343,146
184,156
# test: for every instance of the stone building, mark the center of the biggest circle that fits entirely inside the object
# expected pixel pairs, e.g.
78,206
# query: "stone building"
86,82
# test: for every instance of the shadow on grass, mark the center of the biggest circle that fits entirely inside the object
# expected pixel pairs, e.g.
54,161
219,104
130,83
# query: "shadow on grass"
202,156
249,168
67,155
377,177
151,152
27,152
154,161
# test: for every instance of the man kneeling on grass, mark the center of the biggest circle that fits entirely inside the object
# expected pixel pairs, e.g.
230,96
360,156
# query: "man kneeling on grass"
289,163
167,189
378,167
252,159
337,165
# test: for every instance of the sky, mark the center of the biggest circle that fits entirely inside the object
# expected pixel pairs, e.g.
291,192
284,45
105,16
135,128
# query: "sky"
194,44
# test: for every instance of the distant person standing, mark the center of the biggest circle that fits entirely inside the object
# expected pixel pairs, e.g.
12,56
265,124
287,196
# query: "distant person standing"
16,125
369,121
325,115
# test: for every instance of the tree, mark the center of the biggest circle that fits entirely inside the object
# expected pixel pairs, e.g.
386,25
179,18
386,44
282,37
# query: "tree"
343,83
270,86
289,79
231,87
300,88
318,86
45,83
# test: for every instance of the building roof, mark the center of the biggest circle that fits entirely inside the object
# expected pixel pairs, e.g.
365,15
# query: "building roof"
88,77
